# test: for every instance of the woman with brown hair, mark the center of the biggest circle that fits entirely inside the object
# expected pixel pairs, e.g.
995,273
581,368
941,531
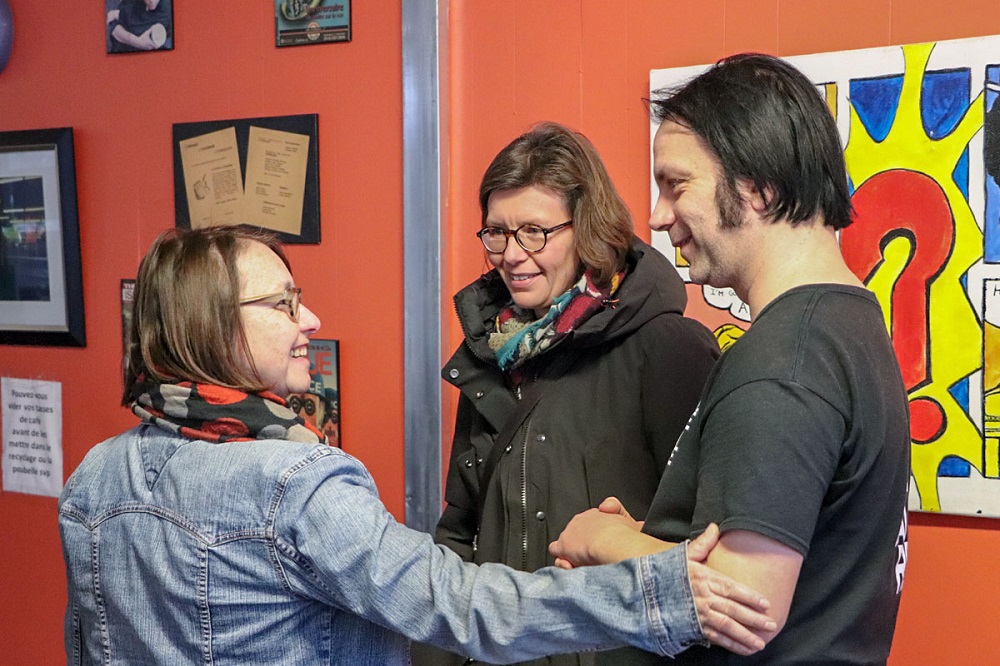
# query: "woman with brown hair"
578,370
223,529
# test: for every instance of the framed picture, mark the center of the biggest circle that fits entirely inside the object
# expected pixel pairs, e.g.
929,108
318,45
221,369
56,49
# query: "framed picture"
263,172
41,287
133,26
320,405
303,22
127,297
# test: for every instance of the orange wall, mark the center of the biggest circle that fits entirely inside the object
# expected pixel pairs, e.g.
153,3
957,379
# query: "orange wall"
121,107
586,63
512,63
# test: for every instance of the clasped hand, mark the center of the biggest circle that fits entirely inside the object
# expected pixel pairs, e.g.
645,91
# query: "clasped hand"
729,612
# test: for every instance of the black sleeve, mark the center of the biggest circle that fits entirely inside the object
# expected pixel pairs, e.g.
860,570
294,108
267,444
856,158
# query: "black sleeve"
680,355
769,451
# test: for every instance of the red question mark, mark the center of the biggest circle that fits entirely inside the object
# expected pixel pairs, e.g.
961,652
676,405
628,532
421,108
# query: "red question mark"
901,203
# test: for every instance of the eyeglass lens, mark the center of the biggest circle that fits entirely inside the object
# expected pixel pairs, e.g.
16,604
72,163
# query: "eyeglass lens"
530,237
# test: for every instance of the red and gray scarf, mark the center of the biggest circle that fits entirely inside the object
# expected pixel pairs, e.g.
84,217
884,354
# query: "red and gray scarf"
218,414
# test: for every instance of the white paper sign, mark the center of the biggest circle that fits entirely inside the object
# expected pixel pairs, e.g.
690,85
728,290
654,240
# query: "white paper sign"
32,436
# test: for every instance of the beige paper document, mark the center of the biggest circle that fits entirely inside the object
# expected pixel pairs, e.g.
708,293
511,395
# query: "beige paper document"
276,179
212,178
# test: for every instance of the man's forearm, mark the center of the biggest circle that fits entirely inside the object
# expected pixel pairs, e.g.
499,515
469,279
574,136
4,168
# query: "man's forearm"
126,37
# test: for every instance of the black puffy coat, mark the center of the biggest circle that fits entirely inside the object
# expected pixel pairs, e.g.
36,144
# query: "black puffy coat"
612,398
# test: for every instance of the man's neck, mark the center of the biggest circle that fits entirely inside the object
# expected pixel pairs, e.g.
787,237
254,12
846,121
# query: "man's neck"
787,257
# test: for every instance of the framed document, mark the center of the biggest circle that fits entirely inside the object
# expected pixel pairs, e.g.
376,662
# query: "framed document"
41,284
263,172
302,22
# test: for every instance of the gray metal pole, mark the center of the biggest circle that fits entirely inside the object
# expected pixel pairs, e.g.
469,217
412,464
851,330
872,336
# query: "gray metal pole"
425,25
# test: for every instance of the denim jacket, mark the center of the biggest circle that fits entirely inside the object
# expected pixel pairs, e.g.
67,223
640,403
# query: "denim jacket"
185,551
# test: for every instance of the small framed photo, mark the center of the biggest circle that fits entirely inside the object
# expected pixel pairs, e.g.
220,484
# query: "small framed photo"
127,298
320,405
132,26
303,22
41,283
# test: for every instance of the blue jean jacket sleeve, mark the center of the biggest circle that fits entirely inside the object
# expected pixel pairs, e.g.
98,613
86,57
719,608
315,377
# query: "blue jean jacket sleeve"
337,543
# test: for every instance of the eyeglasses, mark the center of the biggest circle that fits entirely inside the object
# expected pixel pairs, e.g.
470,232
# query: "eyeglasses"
530,237
287,300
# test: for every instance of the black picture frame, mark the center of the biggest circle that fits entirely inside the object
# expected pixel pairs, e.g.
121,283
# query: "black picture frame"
305,124
146,31
41,281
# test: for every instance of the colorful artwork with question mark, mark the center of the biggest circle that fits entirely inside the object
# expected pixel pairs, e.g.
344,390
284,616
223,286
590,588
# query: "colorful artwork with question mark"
921,129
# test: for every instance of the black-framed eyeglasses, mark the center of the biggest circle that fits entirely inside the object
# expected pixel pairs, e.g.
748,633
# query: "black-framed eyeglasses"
288,300
530,237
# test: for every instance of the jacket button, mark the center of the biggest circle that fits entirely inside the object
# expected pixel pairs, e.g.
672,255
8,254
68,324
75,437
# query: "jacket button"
453,373
480,394
507,450
479,461
468,463
540,438
540,515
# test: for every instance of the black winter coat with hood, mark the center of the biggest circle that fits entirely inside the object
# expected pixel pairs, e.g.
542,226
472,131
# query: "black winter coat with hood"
597,415
612,398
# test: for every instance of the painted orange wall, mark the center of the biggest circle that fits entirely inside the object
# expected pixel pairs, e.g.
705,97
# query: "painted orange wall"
586,63
583,62
121,107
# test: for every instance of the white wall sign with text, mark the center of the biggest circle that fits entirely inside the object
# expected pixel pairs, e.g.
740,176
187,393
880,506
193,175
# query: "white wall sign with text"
32,436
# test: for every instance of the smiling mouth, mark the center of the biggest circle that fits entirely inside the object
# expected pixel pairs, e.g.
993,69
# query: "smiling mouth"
523,278
299,353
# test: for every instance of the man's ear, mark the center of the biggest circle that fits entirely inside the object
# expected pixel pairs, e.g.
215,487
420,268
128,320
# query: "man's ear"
752,196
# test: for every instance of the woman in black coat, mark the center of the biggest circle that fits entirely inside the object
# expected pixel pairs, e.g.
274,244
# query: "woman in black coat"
578,370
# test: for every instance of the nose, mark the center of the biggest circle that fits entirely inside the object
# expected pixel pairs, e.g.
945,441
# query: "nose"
514,253
309,323
662,217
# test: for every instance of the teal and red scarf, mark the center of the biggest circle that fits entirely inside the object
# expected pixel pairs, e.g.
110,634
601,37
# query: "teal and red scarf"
519,337
218,414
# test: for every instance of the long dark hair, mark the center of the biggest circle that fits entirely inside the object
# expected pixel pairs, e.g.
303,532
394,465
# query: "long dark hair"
766,123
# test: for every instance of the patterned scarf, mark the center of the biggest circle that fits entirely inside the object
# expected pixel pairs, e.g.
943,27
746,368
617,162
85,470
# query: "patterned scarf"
218,414
519,337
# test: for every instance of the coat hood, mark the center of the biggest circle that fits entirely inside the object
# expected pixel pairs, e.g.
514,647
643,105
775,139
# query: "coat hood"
651,287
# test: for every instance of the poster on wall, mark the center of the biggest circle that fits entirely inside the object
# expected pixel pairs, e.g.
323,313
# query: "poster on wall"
320,405
920,125
32,436
127,292
258,171
302,22
134,26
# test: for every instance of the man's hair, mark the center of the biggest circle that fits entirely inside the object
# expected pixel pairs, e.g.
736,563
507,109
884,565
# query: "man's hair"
557,158
186,323
767,124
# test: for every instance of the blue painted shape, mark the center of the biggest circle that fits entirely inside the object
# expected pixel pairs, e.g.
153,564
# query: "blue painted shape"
952,466
944,98
961,174
875,101
991,224
960,392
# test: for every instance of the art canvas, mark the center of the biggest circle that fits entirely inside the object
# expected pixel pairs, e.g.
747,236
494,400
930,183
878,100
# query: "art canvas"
921,128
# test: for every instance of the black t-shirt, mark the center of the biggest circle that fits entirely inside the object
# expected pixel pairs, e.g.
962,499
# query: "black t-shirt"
802,435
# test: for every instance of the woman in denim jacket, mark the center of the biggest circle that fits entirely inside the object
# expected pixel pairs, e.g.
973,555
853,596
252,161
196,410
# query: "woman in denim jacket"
223,530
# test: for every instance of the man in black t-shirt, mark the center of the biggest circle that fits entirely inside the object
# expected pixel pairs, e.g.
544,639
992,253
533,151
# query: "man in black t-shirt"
799,448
